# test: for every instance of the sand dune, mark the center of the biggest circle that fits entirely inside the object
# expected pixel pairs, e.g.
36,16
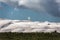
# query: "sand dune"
28,26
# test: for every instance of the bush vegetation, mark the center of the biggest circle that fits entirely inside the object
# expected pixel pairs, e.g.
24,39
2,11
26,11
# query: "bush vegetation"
30,36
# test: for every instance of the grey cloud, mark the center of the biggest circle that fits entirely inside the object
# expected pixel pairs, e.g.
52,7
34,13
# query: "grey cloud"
47,6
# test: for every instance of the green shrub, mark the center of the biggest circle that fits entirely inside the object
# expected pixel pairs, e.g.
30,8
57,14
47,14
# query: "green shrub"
30,36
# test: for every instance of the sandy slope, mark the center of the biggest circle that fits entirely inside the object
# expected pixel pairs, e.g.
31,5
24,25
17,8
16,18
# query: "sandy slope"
28,26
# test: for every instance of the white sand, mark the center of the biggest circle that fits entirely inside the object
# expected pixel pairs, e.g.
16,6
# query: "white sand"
28,26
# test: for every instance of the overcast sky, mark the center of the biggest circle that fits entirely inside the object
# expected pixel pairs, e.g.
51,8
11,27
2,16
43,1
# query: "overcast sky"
47,6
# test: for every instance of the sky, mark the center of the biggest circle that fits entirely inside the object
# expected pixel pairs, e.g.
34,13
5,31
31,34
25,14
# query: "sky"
38,10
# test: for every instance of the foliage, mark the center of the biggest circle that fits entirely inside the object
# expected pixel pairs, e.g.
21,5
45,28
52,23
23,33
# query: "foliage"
30,36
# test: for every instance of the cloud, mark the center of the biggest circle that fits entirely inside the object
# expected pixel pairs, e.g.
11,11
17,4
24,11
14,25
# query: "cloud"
3,0
47,6
32,4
